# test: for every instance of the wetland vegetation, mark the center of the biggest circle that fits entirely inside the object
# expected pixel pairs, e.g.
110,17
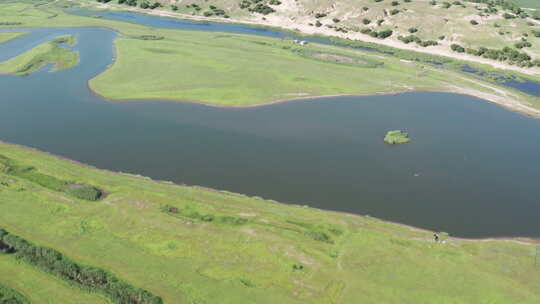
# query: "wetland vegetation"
190,244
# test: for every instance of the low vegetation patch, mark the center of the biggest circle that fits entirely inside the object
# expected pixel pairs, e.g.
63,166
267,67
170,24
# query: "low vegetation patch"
148,37
263,7
340,58
396,137
11,296
84,192
85,277
189,212
65,39
506,54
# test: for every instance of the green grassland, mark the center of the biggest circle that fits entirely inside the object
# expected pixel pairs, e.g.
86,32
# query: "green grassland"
8,36
528,3
196,245
242,70
43,54
40,288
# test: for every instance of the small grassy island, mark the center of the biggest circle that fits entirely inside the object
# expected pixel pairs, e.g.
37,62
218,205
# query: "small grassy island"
396,137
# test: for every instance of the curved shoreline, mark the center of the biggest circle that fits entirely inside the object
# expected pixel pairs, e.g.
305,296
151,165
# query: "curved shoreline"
516,107
516,239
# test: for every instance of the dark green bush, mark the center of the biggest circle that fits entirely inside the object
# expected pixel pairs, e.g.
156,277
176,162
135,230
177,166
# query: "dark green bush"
11,296
81,191
85,277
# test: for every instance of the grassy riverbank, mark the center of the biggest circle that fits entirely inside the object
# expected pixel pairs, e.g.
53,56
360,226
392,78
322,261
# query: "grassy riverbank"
43,54
229,69
38,287
197,245
8,36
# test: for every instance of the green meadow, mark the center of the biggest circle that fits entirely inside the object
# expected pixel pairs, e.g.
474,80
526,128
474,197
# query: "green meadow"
189,244
527,3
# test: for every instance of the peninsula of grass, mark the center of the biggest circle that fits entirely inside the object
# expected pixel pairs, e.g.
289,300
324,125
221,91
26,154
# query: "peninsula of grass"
396,137
8,36
190,244
41,55
242,70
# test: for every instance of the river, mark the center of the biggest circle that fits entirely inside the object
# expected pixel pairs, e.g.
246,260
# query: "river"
471,169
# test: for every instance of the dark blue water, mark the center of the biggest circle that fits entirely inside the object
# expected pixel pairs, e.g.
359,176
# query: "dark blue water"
472,168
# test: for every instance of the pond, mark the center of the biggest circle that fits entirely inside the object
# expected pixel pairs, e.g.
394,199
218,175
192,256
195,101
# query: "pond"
471,168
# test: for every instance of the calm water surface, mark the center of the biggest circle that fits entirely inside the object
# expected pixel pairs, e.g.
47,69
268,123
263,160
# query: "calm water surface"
471,170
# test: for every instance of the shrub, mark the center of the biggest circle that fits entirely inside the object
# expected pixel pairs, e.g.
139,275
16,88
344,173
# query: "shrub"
385,34
11,296
457,48
85,277
413,30
262,9
409,39
508,16
474,22
394,12
366,21
522,44
394,3
319,236
336,20
84,192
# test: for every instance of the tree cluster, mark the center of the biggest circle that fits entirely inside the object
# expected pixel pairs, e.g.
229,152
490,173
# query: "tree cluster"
413,38
506,54
259,6
381,34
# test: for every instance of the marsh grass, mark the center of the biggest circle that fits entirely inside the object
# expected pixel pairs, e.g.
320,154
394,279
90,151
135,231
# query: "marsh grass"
84,192
11,296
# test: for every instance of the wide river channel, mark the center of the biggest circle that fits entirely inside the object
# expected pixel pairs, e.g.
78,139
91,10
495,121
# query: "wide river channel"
472,169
